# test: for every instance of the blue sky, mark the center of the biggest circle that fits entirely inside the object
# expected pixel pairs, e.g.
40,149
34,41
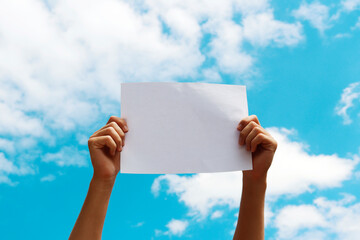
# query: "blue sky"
61,65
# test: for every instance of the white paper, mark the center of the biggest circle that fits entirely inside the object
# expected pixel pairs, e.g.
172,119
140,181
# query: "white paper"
183,128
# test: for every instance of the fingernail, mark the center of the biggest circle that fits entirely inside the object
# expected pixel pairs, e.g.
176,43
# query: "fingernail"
126,128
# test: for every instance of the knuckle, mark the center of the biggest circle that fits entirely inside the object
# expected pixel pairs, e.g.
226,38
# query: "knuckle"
253,124
109,139
254,117
257,130
90,141
122,120
122,134
112,124
261,136
242,134
275,144
111,130
112,118
107,130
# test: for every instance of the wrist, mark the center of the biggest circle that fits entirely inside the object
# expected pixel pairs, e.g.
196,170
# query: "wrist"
102,184
256,183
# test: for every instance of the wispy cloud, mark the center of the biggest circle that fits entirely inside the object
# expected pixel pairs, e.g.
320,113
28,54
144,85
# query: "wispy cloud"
349,96
176,227
48,178
316,13
319,17
139,224
263,29
67,156
216,214
7,145
357,25
350,5
7,168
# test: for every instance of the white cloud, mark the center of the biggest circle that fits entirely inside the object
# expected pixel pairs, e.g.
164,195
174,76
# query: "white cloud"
82,139
350,5
7,168
262,29
65,43
348,96
313,235
7,145
48,178
357,175
16,122
292,219
176,227
289,176
139,224
340,218
300,172
217,214
62,62
357,25
67,156
211,75
226,47
268,214
342,35
201,192
316,13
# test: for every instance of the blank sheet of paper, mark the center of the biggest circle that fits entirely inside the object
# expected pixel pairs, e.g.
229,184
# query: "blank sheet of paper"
183,128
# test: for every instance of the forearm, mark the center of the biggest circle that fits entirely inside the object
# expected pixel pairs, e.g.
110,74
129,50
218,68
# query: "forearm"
91,219
250,224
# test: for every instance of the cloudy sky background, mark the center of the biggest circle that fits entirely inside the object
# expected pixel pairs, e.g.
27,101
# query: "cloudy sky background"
61,65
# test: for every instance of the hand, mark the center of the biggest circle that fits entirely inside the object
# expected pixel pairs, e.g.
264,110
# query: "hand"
105,146
260,143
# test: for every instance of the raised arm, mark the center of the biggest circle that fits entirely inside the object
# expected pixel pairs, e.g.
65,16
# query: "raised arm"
105,146
250,224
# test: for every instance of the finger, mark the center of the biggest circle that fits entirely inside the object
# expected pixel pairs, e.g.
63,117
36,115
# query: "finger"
113,133
117,129
102,141
253,133
259,139
246,130
120,121
245,121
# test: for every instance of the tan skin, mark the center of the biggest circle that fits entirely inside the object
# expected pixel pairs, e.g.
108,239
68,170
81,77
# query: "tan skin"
106,144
